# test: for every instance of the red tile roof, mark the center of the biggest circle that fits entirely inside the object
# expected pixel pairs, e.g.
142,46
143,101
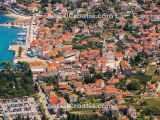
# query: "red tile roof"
53,99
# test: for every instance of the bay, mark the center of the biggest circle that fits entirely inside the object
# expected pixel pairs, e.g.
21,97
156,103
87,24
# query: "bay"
7,36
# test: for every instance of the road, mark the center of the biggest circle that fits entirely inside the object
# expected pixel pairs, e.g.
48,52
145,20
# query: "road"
43,101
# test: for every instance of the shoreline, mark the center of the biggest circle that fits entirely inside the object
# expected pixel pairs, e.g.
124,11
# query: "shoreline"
19,22
24,22
18,18
6,42
15,16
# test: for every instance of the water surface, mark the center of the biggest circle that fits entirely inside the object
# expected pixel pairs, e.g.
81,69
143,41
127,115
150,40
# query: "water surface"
7,36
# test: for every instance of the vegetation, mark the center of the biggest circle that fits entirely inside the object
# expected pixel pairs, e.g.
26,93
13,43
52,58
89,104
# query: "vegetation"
80,37
79,47
16,81
50,79
130,27
151,106
93,75
139,60
135,82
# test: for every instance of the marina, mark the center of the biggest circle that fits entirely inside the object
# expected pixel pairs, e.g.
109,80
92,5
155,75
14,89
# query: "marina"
13,35
9,36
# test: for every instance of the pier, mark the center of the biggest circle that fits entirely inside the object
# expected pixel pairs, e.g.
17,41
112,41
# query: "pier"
12,25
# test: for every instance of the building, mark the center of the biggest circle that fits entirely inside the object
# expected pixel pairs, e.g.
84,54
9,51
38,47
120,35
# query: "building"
12,108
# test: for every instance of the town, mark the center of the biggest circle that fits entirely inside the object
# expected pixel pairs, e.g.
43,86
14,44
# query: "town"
82,60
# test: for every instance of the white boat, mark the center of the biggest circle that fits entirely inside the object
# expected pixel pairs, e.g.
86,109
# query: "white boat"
22,33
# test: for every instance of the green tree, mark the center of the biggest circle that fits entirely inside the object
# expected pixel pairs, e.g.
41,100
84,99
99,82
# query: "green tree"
20,51
16,81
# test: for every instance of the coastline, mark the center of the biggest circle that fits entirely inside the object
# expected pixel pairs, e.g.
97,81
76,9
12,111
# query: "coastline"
19,22
18,18
8,36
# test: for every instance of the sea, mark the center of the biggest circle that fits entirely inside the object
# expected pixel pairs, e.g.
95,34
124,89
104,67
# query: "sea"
7,36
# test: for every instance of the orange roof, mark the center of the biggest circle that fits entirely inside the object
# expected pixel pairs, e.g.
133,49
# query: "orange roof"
64,37
154,34
52,52
124,118
124,64
112,90
77,83
59,59
54,99
53,66
34,5
113,81
137,46
37,63
99,81
44,29
63,86
102,60
110,45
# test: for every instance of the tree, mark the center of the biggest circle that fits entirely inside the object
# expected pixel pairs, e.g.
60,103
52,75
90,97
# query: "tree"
134,85
16,81
50,79
127,27
20,51
150,106
139,59
44,2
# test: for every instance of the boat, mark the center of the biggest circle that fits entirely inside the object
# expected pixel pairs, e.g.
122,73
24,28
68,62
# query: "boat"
22,34
21,39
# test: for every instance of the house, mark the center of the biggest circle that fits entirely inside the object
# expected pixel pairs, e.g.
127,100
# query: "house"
110,90
53,67
72,76
100,83
54,100
101,64
38,66
152,87
16,107
63,85
119,56
113,81
34,6
92,89
59,59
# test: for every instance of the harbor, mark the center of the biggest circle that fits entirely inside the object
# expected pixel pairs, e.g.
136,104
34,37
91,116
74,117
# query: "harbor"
18,41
